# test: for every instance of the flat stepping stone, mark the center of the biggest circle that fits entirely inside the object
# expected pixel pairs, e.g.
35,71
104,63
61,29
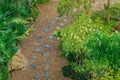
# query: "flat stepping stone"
36,50
46,74
33,57
57,18
61,24
46,61
39,37
65,20
64,17
51,24
37,44
34,66
50,37
46,66
57,28
45,30
45,53
36,76
46,46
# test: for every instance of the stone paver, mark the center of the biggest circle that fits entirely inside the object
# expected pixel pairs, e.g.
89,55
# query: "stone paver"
47,46
36,76
36,50
39,37
50,37
61,24
34,66
46,74
45,30
45,53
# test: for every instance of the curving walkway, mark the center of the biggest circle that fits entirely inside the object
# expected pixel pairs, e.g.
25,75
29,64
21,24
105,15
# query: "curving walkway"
41,49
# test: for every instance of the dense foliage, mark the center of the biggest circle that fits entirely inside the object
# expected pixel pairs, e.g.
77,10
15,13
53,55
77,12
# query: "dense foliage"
14,16
112,13
73,7
91,47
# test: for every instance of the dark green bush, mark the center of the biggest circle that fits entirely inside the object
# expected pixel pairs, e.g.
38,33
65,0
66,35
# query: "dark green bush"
13,28
68,72
104,48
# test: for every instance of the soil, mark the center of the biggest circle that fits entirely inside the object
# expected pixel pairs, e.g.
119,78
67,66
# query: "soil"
47,14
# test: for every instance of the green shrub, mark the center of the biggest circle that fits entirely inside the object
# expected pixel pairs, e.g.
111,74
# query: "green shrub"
73,7
64,7
73,48
19,26
104,48
112,13
13,28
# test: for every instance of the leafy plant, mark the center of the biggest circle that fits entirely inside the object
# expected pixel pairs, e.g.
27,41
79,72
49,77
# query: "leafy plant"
73,47
73,7
104,48
108,14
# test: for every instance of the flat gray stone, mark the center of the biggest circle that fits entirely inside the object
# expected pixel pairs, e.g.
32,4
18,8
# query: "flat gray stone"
61,24
46,66
46,61
52,22
64,17
46,46
50,25
45,53
33,57
36,50
65,20
57,18
46,74
36,76
45,30
50,37
57,28
39,37
34,66
37,44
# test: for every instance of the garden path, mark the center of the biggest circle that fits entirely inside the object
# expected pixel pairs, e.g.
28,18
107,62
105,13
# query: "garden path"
41,49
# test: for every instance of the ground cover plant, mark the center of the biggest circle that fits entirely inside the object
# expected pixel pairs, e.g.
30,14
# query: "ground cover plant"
14,26
91,46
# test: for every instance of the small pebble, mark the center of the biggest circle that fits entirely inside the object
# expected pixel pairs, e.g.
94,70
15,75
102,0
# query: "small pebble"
45,30
36,50
50,37
39,37
33,66
46,46
61,24
36,76
45,53
46,75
